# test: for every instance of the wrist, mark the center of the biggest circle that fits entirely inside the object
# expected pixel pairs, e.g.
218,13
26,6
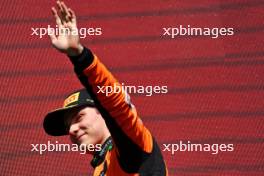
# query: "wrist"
83,60
75,51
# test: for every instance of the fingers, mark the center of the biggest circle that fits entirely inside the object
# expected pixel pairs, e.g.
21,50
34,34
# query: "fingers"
73,16
57,18
59,6
61,12
65,11
65,17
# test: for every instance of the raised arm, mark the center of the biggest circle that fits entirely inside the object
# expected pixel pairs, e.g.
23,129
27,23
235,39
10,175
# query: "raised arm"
68,40
133,140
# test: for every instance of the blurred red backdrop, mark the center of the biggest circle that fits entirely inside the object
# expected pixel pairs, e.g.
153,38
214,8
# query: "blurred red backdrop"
215,86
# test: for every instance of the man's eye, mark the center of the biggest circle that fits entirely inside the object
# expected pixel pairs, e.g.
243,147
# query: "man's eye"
79,118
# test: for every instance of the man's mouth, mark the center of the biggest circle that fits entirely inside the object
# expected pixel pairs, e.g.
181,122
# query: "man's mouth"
78,138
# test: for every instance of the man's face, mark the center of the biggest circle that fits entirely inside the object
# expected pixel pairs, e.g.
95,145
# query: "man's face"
86,126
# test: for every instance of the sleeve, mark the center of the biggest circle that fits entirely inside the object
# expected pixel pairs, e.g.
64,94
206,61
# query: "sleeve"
133,140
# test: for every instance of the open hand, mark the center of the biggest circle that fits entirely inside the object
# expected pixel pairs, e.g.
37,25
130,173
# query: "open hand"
67,41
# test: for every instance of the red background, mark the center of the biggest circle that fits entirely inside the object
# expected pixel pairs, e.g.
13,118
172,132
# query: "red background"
215,85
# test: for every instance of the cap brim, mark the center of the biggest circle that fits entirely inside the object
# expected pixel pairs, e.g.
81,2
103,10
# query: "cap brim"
54,123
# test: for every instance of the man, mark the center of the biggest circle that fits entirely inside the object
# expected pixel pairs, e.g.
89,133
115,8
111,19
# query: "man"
94,118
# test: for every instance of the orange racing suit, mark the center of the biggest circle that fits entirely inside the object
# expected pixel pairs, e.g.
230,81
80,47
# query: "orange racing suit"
131,150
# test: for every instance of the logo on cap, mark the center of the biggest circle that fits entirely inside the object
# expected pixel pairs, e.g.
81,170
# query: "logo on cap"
72,98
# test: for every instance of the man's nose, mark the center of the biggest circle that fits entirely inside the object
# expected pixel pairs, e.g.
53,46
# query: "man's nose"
74,128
